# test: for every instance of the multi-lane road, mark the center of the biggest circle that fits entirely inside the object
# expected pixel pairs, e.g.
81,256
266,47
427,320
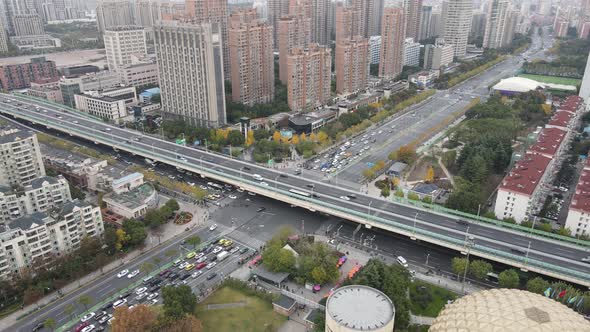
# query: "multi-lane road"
539,254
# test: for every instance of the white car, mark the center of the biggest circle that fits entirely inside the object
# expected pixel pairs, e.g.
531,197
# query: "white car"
234,250
264,183
119,303
88,328
105,318
183,265
232,196
87,317
133,274
202,259
196,274
346,198
213,227
152,296
140,297
122,273
217,249
154,301
199,255
140,290
211,265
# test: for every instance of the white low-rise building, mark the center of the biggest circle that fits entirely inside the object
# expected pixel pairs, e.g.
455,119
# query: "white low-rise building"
133,203
108,108
34,240
522,189
41,195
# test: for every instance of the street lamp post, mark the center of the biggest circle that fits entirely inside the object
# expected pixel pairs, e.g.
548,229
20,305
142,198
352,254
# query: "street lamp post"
277,181
338,231
427,257
526,258
468,245
369,209
413,237
478,211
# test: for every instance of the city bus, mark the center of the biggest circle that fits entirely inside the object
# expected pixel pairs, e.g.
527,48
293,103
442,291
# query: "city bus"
299,192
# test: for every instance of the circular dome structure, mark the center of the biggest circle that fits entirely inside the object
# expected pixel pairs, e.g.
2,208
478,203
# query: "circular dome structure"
508,310
517,84
359,308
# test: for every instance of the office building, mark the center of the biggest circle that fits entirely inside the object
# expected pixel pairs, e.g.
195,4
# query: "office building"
113,13
149,12
352,65
216,13
413,12
457,23
425,23
252,59
42,194
276,10
3,40
294,31
124,45
375,49
20,76
28,25
104,107
438,56
478,25
190,67
392,43
139,74
411,53
511,26
20,156
35,42
47,89
309,76
496,23
319,21
436,26
34,240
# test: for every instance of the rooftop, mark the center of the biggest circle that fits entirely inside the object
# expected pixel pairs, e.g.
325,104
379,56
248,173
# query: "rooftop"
30,221
134,198
38,182
548,141
508,310
517,84
581,198
277,277
14,135
560,119
127,178
360,308
526,174
284,302
302,120
571,103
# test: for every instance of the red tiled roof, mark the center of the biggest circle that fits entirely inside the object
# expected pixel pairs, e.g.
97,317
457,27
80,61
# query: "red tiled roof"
581,198
548,141
526,174
571,104
560,119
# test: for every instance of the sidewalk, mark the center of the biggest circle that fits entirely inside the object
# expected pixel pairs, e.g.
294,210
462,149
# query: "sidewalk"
169,231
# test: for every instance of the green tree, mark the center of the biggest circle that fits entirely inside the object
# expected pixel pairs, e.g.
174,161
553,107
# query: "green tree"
413,196
85,300
178,301
236,138
50,323
459,265
171,253
154,218
135,230
319,275
277,259
194,240
76,192
475,169
479,269
110,239
509,279
157,261
399,193
146,267
537,285
69,310
385,191
172,204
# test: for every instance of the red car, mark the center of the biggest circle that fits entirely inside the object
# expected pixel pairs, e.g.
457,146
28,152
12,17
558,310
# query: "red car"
201,265
81,326
164,273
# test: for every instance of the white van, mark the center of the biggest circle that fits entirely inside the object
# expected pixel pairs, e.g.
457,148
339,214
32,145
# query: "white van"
257,177
402,261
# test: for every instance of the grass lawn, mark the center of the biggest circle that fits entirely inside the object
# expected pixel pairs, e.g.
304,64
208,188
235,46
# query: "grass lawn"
428,300
552,79
255,315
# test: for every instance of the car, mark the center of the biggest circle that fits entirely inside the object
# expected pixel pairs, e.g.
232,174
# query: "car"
201,259
232,196
211,265
244,250
402,261
586,259
201,265
164,273
154,289
462,222
211,276
234,250
213,227
133,274
228,243
88,317
310,185
88,328
199,255
75,122
283,175
353,196
213,259
189,267
110,321
141,296
297,172
346,198
152,296
196,274
191,255
260,209
518,251
122,273
217,249
251,193
140,290
100,315
183,265
153,302
264,184
119,303
173,276
38,326
80,327
105,319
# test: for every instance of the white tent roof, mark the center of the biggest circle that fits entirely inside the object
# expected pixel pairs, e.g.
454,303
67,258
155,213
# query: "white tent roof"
517,84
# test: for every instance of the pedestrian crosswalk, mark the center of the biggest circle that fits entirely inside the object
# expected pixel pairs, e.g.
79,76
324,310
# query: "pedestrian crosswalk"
246,239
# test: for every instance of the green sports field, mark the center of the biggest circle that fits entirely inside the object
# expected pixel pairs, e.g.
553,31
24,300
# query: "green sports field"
552,79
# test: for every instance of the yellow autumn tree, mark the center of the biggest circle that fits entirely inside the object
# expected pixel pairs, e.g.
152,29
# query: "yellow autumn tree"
276,136
429,178
302,137
394,182
313,137
121,238
546,109
322,137
250,138
295,140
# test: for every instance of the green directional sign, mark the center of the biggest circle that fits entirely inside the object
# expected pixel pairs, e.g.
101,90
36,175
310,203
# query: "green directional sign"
270,162
181,141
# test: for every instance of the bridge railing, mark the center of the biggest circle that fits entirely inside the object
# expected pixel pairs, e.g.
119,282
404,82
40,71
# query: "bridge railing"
451,242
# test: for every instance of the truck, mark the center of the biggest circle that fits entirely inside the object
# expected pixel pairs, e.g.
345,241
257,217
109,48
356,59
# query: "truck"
222,255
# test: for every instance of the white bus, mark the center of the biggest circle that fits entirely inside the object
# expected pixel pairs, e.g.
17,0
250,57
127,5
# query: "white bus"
299,192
